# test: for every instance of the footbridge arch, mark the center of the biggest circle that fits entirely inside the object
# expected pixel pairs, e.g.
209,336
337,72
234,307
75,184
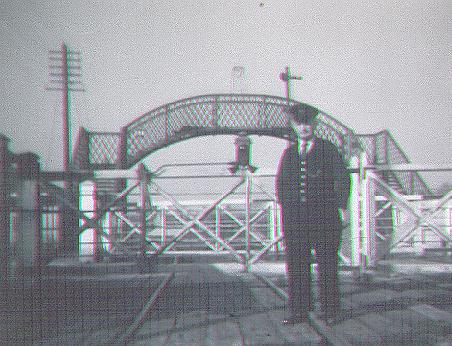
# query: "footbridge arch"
220,114
192,117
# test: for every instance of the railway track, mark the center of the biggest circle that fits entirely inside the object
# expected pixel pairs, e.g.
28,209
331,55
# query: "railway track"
125,333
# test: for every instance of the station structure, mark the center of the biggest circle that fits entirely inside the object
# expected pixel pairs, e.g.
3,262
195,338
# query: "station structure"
114,205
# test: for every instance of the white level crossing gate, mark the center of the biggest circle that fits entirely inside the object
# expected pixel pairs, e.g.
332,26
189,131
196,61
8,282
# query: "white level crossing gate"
243,220
147,219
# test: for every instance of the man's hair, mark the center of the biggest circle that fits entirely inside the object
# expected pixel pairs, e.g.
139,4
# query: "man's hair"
302,113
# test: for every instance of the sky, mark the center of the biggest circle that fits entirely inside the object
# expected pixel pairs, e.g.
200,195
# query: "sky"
372,65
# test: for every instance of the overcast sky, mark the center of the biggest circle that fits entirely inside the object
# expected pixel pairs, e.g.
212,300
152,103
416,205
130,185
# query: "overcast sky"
372,65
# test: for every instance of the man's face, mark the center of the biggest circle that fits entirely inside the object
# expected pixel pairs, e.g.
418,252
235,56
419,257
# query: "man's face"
303,131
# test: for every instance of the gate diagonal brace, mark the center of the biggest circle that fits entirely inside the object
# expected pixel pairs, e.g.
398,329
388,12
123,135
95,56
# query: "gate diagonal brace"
383,208
421,219
187,223
265,249
243,226
89,222
55,191
424,218
108,207
176,214
197,220
135,228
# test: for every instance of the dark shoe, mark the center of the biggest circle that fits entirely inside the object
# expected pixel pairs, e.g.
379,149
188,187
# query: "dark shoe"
294,320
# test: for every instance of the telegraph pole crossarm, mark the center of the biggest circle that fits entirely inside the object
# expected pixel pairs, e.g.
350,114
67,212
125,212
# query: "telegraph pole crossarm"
65,74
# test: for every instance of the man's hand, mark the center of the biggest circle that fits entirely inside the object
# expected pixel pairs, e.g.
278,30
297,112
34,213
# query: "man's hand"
345,216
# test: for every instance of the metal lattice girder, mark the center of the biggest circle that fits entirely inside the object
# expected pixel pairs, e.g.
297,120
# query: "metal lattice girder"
242,115
201,115
103,148
218,114
209,114
382,149
232,114
332,130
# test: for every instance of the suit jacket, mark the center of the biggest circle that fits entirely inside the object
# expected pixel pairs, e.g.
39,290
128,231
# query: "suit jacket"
327,187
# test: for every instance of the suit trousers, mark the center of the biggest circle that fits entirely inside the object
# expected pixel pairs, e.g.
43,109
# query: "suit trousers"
298,246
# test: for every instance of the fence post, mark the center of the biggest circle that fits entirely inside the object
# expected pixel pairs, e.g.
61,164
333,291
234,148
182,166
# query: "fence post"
217,225
98,246
143,176
279,227
4,212
163,236
88,203
29,223
354,209
275,231
248,199
448,211
369,241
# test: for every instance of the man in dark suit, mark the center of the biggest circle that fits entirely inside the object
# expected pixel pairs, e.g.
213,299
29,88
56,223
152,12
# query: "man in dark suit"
313,186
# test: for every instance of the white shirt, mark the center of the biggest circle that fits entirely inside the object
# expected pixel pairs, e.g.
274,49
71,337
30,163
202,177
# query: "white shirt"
303,148
303,145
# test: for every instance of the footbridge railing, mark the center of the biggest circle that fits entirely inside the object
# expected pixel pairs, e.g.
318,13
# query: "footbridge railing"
192,117
382,150
231,114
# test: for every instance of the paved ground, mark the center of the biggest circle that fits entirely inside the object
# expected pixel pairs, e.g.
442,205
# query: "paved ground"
219,304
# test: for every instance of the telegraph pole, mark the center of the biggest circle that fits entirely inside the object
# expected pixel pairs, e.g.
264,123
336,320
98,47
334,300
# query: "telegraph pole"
65,76
286,77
